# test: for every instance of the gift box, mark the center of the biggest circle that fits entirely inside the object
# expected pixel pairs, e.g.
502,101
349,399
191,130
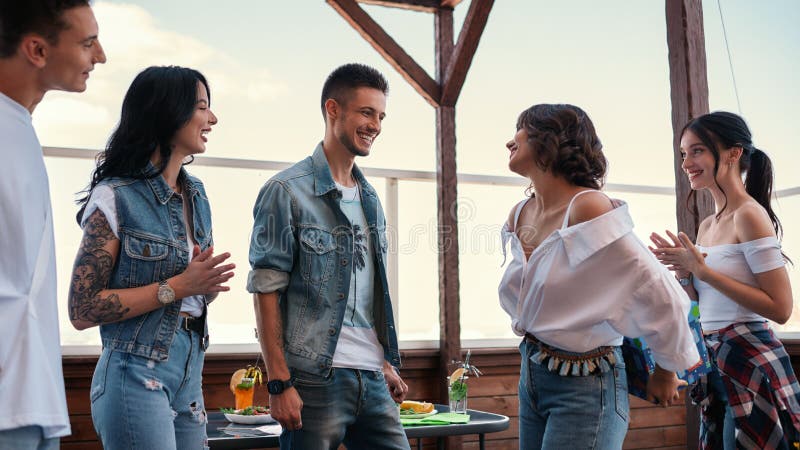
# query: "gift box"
639,362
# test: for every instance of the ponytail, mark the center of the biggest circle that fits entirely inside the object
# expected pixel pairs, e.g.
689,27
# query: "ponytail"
758,183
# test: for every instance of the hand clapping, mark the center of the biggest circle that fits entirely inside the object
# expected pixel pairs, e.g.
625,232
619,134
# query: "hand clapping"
680,255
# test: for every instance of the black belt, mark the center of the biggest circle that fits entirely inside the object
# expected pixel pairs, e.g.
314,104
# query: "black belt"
196,324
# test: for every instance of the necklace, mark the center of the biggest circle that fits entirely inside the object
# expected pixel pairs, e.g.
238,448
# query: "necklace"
356,192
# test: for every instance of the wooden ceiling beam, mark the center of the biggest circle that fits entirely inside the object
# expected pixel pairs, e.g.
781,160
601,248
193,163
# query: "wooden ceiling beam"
464,51
428,6
449,3
389,49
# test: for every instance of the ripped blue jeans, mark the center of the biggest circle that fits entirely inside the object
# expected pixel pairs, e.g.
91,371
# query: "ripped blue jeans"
138,403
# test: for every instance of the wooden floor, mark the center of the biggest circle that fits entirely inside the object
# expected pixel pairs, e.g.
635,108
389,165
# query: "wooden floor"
650,426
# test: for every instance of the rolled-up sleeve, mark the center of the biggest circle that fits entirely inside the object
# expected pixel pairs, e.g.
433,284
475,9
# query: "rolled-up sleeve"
272,243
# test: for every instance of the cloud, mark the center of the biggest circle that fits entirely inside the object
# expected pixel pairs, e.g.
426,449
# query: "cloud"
133,40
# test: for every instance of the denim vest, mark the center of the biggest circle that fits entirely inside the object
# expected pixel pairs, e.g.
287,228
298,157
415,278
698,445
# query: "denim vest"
153,247
302,248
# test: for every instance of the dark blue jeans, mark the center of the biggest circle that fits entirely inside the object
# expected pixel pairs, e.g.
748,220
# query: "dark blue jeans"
716,385
349,406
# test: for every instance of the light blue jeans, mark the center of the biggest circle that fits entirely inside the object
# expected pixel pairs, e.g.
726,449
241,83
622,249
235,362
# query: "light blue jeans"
139,403
348,406
26,438
571,412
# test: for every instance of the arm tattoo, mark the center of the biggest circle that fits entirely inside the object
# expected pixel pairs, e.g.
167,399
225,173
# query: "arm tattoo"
91,274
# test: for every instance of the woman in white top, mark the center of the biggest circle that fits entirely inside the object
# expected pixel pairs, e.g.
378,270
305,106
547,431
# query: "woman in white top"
737,272
580,280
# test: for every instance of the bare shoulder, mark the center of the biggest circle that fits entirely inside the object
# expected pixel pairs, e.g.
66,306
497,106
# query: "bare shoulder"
512,215
703,227
752,222
588,206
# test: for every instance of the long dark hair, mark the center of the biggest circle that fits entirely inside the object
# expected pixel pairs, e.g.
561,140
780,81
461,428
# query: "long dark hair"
566,143
159,102
721,130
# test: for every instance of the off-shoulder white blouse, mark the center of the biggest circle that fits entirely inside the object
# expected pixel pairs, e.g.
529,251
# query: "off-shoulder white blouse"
741,262
589,284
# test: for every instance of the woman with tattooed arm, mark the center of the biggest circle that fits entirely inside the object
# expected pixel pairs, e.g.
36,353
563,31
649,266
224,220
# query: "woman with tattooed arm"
146,270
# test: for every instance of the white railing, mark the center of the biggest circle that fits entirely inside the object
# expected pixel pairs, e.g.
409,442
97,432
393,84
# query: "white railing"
393,178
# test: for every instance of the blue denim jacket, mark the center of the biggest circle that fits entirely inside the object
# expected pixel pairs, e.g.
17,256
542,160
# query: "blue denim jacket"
302,247
153,247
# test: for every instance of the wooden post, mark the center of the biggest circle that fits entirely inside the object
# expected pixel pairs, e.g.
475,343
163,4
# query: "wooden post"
447,217
452,64
689,96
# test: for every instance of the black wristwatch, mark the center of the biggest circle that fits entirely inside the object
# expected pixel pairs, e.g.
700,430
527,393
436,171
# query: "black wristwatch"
276,387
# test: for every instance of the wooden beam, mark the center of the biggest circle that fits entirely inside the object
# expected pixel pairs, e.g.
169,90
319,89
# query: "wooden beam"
443,42
464,51
428,6
447,215
388,48
450,3
689,96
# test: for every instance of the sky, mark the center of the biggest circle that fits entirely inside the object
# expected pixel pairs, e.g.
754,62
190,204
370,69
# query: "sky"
266,62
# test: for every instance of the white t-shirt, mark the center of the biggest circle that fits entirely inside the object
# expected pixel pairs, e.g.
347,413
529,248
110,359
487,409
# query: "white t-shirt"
740,262
589,284
31,379
358,346
102,198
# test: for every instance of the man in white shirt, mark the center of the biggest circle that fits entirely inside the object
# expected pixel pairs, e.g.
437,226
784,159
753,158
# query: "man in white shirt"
44,45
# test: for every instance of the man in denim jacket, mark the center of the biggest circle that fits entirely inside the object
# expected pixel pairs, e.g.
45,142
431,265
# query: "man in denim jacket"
324,316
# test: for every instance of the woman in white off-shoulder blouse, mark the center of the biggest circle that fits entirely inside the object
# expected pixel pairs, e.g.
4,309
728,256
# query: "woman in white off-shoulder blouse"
736,270
578,281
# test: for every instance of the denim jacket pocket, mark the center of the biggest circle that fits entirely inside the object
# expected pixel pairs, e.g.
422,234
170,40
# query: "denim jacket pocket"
316,255
148,258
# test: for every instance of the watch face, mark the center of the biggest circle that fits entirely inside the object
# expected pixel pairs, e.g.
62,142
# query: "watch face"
165,294
275,387
278,386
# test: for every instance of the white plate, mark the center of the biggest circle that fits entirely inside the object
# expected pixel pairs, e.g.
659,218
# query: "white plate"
250,420
418,415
